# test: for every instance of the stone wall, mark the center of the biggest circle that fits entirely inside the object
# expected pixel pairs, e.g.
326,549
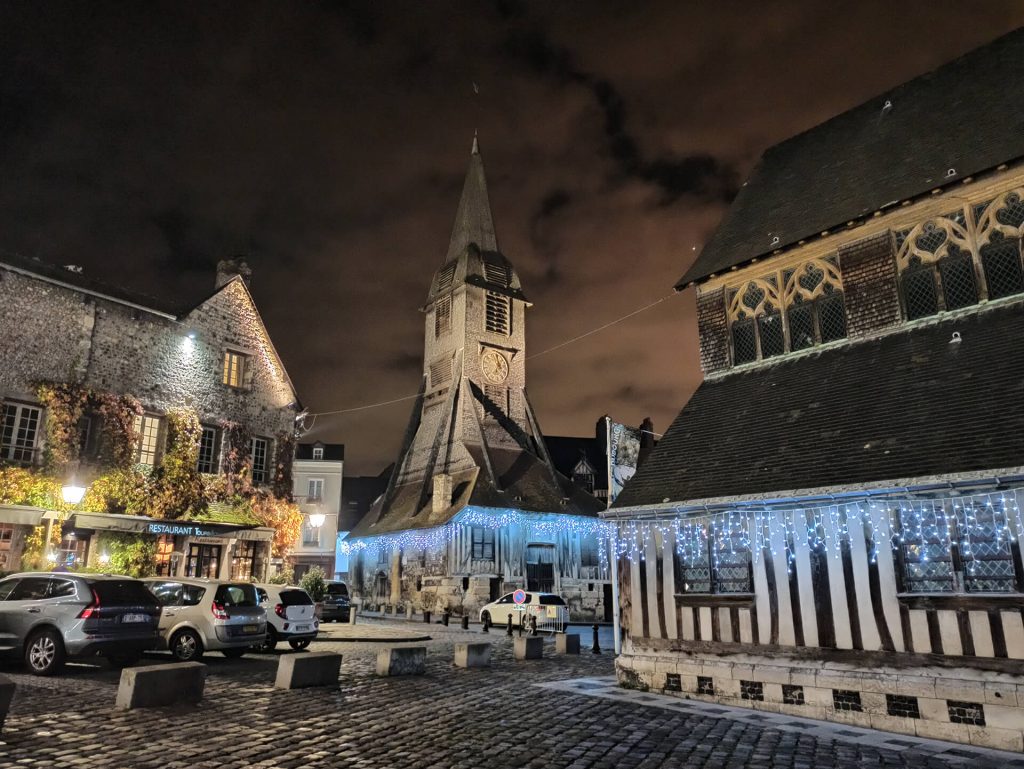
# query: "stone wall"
983,708
60,334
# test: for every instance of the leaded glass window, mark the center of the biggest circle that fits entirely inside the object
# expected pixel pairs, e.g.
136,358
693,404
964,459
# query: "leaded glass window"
713,558
954,547
1001,260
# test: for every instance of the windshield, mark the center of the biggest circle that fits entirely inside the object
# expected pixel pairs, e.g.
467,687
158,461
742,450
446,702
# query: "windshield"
551,600
337,588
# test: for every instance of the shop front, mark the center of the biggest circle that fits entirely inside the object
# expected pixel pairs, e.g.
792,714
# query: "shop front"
17,523
183,549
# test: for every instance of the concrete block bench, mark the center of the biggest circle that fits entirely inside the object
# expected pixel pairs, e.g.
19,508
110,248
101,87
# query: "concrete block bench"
6,695
297,671
566,643
402,661
528,648
469,655
156,685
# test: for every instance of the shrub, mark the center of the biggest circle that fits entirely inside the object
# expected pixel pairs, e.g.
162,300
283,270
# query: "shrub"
314,582
285,576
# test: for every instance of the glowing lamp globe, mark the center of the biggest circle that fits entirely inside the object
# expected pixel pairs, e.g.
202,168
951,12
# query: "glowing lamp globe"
316,520
72,494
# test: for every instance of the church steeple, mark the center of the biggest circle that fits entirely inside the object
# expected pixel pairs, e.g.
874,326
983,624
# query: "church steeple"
473,221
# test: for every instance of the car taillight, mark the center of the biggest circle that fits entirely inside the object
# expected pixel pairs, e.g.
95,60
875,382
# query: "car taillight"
92,609
279,610
218,611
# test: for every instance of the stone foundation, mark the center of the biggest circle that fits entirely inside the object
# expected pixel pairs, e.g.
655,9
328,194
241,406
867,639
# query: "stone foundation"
978,707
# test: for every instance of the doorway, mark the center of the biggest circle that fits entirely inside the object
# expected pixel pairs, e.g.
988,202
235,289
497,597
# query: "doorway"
540,568
495,589
608,606
203,561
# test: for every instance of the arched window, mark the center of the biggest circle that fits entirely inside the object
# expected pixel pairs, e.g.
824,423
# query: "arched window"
814,304
755,315
936,266
1000,229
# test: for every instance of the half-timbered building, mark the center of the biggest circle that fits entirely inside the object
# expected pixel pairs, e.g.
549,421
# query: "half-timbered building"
832,525
475,506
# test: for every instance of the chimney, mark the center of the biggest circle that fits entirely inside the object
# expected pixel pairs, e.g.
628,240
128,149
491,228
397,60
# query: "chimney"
442,492
229,268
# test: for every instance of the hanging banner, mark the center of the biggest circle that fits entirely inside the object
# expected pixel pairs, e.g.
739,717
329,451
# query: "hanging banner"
623,455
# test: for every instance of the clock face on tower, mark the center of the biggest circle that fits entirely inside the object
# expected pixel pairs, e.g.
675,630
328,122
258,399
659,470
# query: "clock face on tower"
494,366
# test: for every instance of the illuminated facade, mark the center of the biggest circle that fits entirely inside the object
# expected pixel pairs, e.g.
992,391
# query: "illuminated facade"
832,527
214,358
474,444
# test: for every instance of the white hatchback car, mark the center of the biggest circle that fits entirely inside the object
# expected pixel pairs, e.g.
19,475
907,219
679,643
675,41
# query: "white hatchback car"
205,615
291,616
548,608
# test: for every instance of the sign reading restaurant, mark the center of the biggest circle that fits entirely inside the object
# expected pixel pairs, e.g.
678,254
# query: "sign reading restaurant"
180,530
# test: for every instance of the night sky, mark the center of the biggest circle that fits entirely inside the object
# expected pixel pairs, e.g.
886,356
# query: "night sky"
328,143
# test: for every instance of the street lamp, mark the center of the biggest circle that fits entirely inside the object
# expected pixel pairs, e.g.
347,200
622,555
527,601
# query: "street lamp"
72,493
316,520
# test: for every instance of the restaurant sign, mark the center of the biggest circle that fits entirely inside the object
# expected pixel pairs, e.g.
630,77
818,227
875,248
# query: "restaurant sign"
181,530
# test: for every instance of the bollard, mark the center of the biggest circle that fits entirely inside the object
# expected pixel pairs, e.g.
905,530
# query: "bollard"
533,625
426,616
408,612
487,623
465,622
352,612
446,616
597,645
522,621
508,630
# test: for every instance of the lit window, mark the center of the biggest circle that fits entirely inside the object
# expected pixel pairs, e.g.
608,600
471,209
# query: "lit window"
6,543
443,316
243,560
483,543
72,551
208,445
234,369
318,452
164,550
148,429
315,490
498,312
260,455
19,428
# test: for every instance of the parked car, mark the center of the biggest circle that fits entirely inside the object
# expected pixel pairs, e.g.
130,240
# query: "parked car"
336,606
290,616
546,607
48,617
201,615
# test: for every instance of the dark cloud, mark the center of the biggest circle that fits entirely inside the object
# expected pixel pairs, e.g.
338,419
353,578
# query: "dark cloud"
699,175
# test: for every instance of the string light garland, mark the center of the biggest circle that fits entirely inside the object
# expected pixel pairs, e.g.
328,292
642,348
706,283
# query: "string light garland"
719,546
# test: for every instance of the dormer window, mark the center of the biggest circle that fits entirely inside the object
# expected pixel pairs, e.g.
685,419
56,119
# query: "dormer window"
318,452
963,257
786,311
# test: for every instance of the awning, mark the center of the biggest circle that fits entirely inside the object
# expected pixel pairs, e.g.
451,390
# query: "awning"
137,524
22,515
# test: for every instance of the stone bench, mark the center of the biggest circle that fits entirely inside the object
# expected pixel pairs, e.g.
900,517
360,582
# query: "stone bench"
6,695
469,655
297,671
528,648
155,685
402,661
566,643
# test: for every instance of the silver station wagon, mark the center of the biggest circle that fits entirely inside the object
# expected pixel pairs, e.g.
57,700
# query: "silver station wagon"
48,617
201,615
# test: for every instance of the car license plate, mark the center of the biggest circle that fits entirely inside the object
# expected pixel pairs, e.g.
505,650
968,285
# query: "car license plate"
250,628
300,628
135,618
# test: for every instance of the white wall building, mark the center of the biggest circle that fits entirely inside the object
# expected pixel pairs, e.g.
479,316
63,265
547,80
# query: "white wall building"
317,475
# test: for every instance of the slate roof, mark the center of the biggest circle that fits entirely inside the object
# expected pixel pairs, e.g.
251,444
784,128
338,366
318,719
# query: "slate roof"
905,405
332,451
967,115
566,451
81,281
473,220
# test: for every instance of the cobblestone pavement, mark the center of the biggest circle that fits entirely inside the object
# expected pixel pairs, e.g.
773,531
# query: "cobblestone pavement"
511,715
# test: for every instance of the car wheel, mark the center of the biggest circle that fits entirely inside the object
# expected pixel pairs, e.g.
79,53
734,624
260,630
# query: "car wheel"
44,652
186,645
299,644
123,660
485,617
233,654
270,642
